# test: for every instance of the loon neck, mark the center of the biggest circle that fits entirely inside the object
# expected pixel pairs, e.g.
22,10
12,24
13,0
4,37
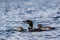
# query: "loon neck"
30,26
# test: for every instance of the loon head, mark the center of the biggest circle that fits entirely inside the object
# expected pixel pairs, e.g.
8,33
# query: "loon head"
30,23
39,26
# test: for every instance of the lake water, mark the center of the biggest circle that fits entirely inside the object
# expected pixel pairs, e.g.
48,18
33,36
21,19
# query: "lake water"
45,12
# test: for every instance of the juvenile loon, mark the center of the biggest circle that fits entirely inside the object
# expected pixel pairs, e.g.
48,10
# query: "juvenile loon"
45,28
20,29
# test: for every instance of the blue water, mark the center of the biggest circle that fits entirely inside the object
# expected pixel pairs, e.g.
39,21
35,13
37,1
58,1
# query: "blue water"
45,12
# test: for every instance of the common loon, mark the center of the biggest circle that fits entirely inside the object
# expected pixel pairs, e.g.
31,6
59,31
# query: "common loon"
40,28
